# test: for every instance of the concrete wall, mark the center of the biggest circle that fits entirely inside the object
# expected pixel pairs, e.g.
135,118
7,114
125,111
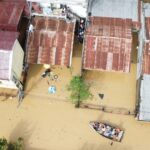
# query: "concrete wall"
7,84
142,39
15,66
17,61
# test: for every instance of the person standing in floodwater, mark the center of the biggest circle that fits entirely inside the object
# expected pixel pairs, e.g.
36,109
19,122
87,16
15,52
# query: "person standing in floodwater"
20,95
47,72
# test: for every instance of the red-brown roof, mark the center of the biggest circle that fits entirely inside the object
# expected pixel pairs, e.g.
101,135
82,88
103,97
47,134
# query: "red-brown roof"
7,39
146,51
51,42
147,25
146,58
10,13
108,43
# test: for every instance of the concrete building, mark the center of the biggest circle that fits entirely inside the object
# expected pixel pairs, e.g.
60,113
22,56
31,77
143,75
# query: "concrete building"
144,74
11,60
108,37
51,41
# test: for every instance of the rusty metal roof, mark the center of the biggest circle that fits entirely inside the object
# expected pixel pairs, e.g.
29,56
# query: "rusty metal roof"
51,42
146,58
124,9
147,25
7,40
10,13
108,43
146,51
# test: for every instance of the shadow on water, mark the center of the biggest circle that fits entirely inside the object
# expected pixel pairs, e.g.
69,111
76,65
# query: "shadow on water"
109,146
33,72
24,130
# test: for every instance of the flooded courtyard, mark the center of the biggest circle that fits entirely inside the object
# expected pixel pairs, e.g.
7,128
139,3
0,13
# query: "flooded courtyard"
47,124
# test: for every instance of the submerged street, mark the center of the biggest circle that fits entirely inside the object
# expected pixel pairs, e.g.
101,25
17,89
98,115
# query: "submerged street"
47,124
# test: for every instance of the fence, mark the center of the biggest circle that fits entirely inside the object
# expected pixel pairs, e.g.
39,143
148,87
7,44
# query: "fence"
115,110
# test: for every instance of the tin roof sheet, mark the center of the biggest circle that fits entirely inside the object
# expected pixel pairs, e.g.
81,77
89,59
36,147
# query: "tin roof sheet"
146,58
7,39
51,42
147,26
146,50
124,9
10,13
115,8
108,43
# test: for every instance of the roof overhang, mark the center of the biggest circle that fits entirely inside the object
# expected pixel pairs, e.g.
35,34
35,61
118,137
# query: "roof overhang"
75,2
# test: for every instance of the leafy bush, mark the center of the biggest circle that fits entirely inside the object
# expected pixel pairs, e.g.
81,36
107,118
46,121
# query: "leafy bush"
79,90
4,145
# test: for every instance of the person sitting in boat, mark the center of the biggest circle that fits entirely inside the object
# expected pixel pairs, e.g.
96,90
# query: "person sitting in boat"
118,130
96,126
115,133
108,128
103,128
108,133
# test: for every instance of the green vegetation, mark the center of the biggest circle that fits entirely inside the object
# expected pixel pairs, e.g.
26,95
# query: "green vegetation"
4,145
79,90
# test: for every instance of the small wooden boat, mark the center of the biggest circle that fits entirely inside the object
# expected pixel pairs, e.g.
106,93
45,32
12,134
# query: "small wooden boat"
108,131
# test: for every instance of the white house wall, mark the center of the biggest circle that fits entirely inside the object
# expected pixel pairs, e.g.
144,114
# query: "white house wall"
5,64
17,61
7,84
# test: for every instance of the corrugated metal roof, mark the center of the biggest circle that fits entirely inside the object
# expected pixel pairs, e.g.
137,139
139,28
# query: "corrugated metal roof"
51,42
146,50
108,43
147,25
144,110
10,13
146,58
124,9
115,8
7,39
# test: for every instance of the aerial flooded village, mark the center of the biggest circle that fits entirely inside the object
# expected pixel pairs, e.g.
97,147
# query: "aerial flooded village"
74,75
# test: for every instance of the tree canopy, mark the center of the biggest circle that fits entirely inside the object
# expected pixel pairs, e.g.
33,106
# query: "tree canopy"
79,90
17,145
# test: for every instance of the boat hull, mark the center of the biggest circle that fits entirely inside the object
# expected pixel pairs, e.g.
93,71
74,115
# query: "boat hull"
108,131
